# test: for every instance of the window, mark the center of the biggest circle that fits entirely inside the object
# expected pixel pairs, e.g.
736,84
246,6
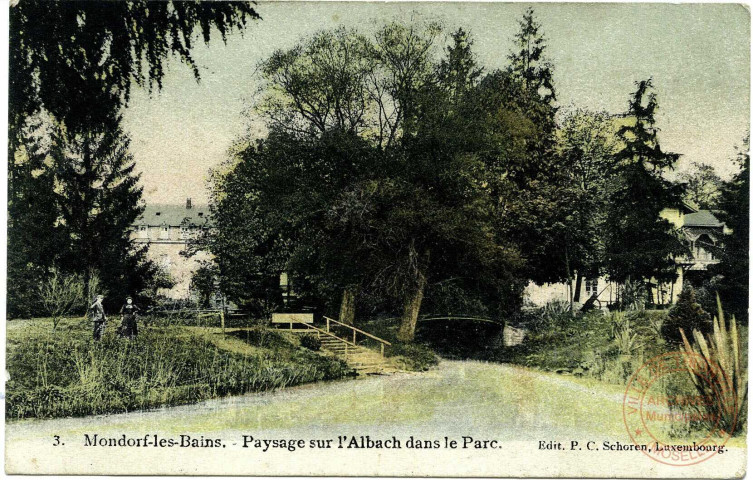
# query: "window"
164,232
592,287
185,232
703,248
143,231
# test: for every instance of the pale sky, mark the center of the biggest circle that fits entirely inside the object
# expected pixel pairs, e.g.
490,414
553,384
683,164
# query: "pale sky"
698,55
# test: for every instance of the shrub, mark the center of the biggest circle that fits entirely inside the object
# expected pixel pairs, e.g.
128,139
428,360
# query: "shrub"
722,379
624,336
686,314
649,322
412,356
448,296
555,315
311,342
60,294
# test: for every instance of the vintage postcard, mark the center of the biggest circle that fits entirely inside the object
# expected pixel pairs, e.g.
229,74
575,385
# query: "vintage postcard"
455,239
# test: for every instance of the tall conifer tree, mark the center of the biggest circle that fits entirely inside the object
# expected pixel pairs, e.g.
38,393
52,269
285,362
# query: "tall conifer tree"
98,199
640,245
34,235
528,61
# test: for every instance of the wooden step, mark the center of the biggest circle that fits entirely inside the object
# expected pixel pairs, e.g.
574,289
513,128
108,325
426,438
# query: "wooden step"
363,360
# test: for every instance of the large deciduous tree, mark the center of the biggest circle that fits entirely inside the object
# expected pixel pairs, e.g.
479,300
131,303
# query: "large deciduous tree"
703,187
390,195
588,145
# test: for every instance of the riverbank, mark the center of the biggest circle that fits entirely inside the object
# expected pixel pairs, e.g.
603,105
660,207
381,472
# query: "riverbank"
64,373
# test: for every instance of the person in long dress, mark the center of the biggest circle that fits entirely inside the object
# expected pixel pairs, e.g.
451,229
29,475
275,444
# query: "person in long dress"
129,327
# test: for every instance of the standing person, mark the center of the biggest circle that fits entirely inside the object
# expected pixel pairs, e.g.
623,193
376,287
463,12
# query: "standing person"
129,327
98,317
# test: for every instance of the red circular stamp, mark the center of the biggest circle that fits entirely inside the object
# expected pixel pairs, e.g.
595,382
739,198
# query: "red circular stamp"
679,409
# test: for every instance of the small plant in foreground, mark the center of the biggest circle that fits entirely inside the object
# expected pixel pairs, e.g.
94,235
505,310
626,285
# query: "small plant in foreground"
60,294
625,339
722,380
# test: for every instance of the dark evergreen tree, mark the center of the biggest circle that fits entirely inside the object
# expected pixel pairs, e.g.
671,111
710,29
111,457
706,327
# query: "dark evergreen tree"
459,72
34,236
98,199
640,245
687,314
527,173
533,72
734,207
528,61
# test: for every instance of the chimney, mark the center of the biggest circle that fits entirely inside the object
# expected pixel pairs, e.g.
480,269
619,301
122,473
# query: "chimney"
188,203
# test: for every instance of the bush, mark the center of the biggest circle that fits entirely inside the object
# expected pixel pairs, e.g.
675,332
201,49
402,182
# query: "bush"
686,314
555,315
608,347
311,342
632,295
412,356
60,294
448,296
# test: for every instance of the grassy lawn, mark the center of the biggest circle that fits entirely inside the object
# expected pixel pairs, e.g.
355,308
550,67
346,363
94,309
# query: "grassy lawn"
64,373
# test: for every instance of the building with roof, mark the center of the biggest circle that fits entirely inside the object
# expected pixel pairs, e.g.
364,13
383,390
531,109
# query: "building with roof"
700,229
167,230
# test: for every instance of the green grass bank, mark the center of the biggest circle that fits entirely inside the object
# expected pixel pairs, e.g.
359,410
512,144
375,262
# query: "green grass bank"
609,347
64,373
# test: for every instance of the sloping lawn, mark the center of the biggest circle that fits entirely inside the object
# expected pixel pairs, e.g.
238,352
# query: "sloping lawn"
64,373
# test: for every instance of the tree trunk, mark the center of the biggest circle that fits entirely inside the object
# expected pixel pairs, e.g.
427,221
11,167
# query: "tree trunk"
348,305
411,308
578,281
569,281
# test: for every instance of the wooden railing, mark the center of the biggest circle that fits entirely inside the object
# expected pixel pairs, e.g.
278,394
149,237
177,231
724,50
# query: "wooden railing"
356,331
319,331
